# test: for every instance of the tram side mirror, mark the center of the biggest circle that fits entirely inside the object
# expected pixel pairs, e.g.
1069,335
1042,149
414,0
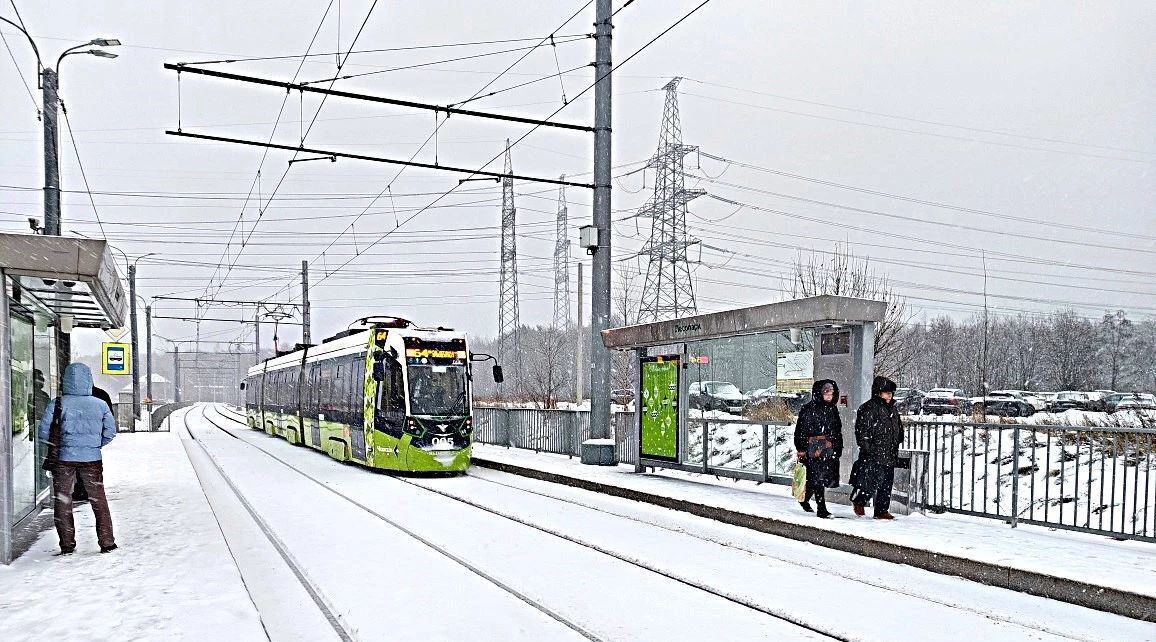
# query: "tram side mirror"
498,378
242,385
378,371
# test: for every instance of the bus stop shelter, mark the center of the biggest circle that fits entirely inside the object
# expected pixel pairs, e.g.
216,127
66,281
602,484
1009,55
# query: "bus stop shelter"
52,284
715,393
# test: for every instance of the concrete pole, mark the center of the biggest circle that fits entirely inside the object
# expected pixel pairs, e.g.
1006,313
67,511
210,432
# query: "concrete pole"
149,354
51,100
133,349
600,268
579,342
177,373
306,322
257,335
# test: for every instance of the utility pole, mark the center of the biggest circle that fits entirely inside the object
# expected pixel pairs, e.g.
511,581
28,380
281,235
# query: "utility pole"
51,100
600,265
176,373
580,363
305,319
257,335
134,351
149,354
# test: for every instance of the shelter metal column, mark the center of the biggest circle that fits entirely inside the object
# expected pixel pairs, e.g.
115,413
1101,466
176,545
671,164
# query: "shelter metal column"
5,426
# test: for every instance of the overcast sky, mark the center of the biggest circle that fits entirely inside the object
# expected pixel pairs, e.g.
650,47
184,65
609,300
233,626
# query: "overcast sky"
1034,120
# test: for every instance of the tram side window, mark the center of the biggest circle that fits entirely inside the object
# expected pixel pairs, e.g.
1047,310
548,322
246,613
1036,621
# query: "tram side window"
328,374
356,384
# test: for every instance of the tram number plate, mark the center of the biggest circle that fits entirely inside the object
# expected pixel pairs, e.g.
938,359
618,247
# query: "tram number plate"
442,443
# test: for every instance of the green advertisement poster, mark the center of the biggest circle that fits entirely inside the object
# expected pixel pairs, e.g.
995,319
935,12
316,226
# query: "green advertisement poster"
659,407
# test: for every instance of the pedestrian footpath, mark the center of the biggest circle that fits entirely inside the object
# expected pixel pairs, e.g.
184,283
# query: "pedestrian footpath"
1084,569
173,576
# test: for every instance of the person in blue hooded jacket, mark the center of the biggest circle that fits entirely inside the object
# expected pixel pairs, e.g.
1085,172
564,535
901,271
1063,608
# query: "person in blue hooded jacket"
86,426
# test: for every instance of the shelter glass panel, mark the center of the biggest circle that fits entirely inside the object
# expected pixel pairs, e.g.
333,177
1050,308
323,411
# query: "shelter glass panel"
22,406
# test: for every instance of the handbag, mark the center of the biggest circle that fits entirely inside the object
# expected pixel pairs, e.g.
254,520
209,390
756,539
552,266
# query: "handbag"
799,483
52,457
819,447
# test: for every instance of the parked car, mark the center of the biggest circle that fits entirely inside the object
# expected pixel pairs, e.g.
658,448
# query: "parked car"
1049,399
1072,400
717,395
1003,404
945,401
1131,401
1099,399
910,400
1037,404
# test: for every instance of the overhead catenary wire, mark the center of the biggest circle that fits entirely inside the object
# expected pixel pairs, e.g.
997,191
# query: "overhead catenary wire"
554,113
20,74
931,203
921,121
80,164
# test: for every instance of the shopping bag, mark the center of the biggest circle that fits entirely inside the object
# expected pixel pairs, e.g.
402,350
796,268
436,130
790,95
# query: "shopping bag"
799,484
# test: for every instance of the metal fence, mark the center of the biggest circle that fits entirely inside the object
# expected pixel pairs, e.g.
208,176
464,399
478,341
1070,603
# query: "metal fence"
1096,480
551,431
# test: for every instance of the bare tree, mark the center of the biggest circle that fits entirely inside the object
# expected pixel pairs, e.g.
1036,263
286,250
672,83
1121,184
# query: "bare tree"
549,364
1071,346
843,274
1117,331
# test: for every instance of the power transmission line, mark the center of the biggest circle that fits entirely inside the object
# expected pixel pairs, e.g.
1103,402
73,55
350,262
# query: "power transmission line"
83,175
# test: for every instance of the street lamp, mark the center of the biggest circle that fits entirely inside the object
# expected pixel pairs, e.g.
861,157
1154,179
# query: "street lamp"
50,85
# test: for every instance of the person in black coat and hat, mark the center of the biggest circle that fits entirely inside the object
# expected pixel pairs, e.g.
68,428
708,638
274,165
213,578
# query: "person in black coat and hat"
879,433
819,443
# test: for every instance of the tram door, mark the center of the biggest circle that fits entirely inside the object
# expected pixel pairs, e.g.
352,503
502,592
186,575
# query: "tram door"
355,405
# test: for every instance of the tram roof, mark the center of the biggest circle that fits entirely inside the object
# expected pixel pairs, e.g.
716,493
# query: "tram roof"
351,343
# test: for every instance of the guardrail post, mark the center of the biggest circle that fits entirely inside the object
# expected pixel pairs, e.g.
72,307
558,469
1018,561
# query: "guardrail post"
1015,476
705,446
764,451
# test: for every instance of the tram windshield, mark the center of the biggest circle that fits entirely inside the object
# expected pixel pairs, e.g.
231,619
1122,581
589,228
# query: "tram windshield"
438,391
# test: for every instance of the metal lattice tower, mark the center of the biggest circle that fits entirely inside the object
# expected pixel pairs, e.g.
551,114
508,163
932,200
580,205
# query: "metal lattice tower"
668,291
509,317
562,265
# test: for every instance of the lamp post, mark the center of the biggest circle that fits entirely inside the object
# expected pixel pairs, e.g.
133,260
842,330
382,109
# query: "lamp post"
50,97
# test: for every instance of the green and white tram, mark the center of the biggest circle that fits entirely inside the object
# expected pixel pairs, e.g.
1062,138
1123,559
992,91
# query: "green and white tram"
384,394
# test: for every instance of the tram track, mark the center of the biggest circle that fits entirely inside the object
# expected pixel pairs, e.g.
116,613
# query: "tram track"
700,586
311,588
574,626
826,570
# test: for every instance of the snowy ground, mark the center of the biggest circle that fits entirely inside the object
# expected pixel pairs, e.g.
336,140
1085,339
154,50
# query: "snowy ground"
509,558
323,551
173,576
1127,565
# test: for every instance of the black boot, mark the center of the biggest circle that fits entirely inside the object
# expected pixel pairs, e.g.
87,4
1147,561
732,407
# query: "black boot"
823,512
807,506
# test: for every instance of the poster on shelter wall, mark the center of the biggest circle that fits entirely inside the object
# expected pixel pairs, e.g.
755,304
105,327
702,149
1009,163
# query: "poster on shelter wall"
796,371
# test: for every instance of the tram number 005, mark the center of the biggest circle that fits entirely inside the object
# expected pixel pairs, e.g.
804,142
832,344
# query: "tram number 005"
442,443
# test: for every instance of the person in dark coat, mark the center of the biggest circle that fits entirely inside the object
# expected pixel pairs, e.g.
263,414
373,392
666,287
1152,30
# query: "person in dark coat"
819,443
86,426
879,433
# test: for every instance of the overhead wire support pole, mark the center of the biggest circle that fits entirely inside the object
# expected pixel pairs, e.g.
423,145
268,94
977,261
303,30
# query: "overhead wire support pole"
378,159
306,320
289,86
600,264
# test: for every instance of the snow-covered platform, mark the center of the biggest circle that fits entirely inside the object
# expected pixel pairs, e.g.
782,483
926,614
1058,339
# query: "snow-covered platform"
173,576
1088,570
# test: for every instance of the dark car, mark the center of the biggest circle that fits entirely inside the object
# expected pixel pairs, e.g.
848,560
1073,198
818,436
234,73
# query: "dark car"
909,400
945,401
1004,405
1072,400
717,395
